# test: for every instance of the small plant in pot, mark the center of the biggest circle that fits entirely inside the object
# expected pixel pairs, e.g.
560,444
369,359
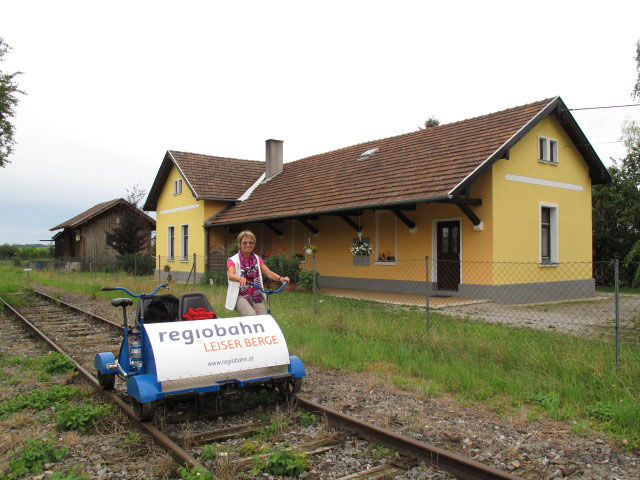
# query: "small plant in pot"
310,249
167,270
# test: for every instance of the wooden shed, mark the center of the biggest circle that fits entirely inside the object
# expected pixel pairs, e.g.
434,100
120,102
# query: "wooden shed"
88,235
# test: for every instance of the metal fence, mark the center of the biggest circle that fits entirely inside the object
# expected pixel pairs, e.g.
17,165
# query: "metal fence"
138,264
583,299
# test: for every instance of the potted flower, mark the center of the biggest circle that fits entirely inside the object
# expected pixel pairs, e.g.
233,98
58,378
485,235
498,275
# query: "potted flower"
310,249
167,269
361,248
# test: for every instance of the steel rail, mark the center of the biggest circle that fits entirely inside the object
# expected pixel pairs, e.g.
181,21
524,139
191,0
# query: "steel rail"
178,452
77,309
457,465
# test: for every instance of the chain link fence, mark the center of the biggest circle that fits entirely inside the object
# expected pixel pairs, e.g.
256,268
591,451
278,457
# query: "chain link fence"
135,264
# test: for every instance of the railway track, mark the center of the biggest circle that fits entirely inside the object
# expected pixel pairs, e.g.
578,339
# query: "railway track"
229,433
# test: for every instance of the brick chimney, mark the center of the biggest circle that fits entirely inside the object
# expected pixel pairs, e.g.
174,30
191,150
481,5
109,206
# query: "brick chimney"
273,158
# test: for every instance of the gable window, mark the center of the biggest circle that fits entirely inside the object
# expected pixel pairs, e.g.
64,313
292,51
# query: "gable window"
547,150
184,246
170,242
548,234
177,186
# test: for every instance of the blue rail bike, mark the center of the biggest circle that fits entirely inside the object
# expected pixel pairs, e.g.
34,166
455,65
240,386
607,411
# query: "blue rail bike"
164,355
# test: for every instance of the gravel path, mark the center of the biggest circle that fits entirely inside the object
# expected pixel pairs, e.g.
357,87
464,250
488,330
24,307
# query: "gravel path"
533,449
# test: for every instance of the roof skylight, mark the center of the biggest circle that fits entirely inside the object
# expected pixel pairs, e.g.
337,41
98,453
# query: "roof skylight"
368,153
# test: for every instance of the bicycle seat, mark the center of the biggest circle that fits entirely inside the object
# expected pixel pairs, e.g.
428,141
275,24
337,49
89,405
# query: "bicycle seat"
122,302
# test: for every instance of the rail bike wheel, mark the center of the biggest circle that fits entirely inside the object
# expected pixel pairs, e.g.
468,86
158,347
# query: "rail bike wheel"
144,411
290,386
107,380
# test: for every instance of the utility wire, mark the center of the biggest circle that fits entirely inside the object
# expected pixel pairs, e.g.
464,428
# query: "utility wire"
610,106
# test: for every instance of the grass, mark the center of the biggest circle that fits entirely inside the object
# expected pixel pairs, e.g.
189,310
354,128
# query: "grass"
566,377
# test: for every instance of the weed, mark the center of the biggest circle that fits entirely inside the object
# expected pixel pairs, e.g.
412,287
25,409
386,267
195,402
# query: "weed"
72,475
195,473
40,399
210,452
382,452
283,462
601,411
270,430
31,457
250,448
54,362
133,438
80,417
306,419
548,401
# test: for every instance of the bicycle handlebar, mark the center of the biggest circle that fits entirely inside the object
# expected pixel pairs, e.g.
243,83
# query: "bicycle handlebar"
135,295
268,292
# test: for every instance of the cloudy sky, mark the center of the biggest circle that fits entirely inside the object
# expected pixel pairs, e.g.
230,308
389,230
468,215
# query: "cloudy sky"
113,85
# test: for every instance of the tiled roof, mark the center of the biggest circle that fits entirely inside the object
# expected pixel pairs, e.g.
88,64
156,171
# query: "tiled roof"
417,166
93,212
217,177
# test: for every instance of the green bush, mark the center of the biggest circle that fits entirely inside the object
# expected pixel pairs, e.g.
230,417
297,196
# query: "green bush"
195,473
8,251
30,253
305,279
284,266
214,277
138,264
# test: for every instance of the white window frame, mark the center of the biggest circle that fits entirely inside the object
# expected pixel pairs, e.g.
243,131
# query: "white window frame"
177,187
553,235
548,151
171,244
184,242
377,242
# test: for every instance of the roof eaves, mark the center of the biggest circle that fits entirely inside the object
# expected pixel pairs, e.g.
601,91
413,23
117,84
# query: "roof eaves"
505,146
207,222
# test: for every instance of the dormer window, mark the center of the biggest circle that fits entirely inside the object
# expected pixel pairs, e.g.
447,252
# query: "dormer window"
547,150
177,187
367,154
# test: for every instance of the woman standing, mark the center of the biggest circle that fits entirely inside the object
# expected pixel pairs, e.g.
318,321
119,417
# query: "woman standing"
245,266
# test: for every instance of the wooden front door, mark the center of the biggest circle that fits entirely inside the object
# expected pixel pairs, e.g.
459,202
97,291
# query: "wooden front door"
448,269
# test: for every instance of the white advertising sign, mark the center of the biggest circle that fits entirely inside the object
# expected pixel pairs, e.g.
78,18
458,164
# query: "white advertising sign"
208,347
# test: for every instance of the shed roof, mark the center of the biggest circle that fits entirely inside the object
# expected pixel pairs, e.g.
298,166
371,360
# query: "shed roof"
95,211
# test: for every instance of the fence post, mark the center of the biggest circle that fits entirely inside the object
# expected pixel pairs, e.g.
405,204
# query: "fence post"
135,264
314,287
617,290
427,292
159,263
195,269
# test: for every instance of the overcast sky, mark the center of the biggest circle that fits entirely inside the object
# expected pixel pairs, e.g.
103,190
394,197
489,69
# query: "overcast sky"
113,85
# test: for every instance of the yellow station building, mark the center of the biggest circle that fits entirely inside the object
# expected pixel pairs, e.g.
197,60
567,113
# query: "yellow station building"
498,201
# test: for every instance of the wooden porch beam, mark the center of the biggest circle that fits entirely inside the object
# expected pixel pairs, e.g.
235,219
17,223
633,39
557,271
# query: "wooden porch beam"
272,227
351,223
308,225
469,213
403,217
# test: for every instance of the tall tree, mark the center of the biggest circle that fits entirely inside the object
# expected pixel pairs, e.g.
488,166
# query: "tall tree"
129,236
429,123
8,102
636,90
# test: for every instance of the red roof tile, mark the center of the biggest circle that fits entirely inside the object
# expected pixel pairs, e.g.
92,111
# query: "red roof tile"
416,166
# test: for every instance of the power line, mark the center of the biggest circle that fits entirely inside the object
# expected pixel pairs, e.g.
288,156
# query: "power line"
609,106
